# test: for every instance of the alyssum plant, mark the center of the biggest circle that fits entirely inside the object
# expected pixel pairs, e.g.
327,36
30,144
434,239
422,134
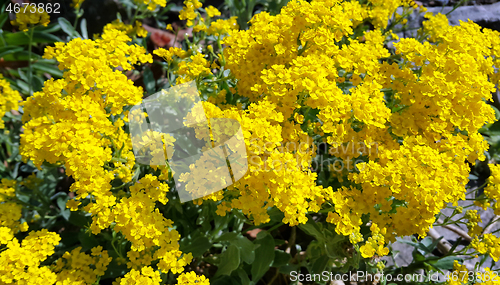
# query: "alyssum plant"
317,73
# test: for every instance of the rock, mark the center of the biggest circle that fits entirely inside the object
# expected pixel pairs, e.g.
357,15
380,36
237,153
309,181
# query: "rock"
487,16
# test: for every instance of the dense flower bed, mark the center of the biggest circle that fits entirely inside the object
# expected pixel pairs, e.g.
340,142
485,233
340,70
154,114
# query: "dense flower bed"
350,140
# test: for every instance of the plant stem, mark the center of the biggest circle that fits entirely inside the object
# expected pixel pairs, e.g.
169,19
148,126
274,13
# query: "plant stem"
135,15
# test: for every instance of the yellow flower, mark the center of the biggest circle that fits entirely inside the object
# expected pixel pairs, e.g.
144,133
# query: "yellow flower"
26,19
77,3
188,12
20,263
190,278
212,11
9,99
222,26
73,205
152,4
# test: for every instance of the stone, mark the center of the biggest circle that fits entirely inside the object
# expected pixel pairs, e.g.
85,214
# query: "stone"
487,16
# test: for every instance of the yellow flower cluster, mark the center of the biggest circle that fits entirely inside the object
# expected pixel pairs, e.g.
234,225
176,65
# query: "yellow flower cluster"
190,70
144,276
212,11
375,243
488,243
473,222
9,99
423,138
20,263
155,145
137,218
221,26
130,30
76,267
488,277
188,12
492,190
458,276
382,10
278,172
10,211
26,19
309,59
170,53
190,278
461,276
152,4
78,121
69,121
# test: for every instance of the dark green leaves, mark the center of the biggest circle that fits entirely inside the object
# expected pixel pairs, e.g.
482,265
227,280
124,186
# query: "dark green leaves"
229,260
246,247
149,80
198,246
265,253
68,28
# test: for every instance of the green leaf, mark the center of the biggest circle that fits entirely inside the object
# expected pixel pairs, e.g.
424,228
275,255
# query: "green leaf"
265,257
15,170
83,28
246,247
68,28
417,256
61,202
87,241
289,268
197,246
3,19
9,49
319,264
315,249
21,38
227,237
427,245
114,270
149,80
262,234
281,258
50,69
37,83
80,219
22,75
204,215
18,56
225,280
66,213
68,239
444,263
245,280
229,261
221,222
311,228
51,28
